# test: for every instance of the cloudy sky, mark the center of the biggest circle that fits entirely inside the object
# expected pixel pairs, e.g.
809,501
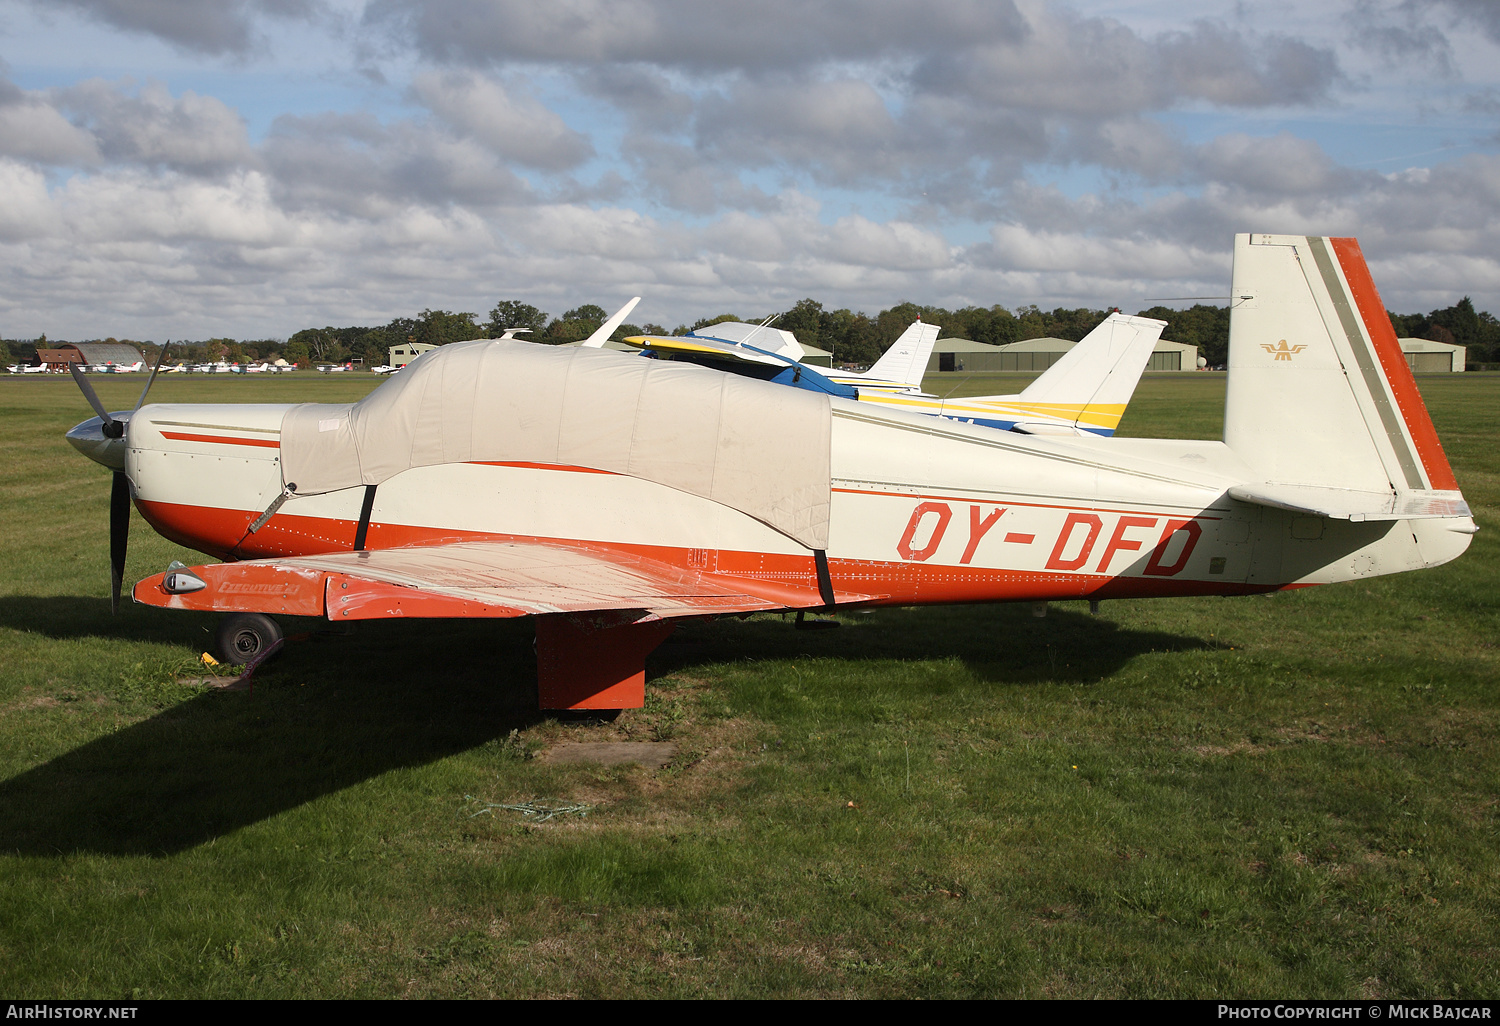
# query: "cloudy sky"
176,168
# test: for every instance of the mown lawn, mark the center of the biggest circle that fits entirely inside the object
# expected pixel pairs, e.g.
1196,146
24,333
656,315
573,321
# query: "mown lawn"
1290,795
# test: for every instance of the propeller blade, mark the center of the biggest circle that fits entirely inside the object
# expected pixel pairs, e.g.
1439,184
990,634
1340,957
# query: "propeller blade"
119,535
88,393
149,381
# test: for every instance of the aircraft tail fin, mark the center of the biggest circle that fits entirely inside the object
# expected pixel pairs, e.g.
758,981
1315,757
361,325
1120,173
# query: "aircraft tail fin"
1320,401
1093,381
601,335
906,360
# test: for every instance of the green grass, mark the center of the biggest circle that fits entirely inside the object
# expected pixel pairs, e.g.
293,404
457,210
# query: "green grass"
1292,795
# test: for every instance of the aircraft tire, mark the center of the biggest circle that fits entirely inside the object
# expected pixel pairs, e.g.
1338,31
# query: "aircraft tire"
243,636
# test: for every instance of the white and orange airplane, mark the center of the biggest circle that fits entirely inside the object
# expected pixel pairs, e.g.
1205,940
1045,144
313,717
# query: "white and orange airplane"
610,497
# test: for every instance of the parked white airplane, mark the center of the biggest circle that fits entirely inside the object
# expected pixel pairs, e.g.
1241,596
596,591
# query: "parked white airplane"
26,368
1085,392
611,496
900,368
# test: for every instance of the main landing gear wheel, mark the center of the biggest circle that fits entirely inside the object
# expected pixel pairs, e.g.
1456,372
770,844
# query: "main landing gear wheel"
242,637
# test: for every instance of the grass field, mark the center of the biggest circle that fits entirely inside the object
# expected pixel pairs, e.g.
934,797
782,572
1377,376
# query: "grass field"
1292,795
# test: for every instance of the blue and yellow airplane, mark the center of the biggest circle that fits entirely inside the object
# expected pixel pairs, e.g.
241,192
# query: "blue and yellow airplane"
1085,392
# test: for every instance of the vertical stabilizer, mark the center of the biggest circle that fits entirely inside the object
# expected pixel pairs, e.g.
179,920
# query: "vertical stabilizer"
906,360
1097,377
602,333
1319,392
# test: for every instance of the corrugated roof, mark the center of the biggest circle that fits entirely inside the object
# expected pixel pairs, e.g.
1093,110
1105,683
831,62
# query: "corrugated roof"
106,352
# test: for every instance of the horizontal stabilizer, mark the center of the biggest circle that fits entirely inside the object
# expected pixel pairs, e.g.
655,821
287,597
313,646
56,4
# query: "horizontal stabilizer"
1354,504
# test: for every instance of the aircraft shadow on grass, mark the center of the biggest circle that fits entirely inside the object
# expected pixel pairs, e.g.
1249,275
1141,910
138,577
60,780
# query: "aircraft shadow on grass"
332,712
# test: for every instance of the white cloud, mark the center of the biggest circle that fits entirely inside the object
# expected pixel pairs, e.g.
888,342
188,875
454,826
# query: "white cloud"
31,129
218,27
1281,165
702,35
359,166
515,126
27,212
192,133
717,157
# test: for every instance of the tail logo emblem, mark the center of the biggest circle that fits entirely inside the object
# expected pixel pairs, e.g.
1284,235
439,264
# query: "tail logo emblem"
1282,351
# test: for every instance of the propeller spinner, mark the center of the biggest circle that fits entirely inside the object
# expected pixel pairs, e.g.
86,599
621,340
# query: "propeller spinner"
102,439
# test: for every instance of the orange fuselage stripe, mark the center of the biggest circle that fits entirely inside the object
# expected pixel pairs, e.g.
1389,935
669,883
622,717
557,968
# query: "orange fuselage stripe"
183,436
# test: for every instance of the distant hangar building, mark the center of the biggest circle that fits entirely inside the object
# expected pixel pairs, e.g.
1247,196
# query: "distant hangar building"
402,355
1426,357
91,354
1037,354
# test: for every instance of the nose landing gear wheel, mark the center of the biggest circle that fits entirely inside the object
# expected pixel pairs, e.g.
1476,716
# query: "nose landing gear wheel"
242,637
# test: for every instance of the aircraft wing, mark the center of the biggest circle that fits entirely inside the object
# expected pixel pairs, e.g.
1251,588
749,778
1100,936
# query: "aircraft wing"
704,347
479,579
747,361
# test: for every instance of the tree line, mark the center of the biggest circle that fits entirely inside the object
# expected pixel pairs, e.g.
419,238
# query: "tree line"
854,338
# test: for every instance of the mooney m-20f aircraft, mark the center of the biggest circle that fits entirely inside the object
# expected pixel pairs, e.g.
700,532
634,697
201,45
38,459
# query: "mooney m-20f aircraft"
1085,392
610,497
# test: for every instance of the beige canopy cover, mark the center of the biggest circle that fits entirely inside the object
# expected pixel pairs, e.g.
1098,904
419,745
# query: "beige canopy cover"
751,445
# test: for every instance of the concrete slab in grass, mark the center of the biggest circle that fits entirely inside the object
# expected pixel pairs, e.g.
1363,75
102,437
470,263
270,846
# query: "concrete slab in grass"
651,754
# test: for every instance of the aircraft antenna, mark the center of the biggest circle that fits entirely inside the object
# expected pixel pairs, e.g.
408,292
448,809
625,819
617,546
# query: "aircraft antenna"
746,340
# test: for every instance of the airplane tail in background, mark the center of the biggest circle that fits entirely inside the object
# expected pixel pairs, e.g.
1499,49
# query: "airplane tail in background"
1321,403
1093,382
602,333
906,360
